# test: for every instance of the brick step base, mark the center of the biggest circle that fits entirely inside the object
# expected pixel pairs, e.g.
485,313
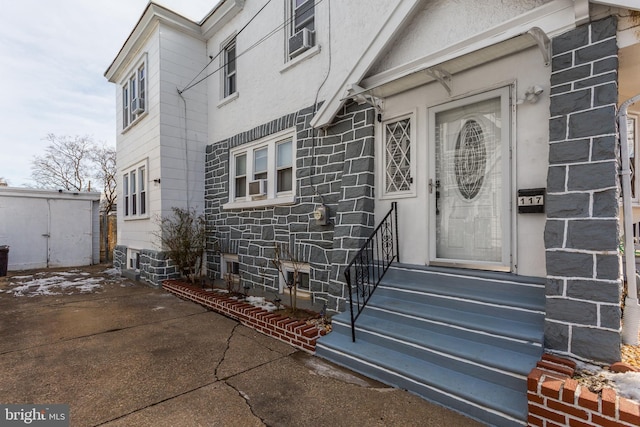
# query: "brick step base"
556,399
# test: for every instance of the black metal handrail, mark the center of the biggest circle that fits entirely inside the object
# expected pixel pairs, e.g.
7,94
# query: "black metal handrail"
371,263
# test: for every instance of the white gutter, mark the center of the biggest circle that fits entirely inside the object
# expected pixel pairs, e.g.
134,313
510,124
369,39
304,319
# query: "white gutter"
623,4
631,316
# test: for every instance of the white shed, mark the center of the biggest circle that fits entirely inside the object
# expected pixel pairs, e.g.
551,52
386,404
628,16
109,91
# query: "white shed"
46,228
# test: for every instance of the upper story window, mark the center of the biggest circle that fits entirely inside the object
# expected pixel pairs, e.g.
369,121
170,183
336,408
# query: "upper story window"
229,66
134,189
302,24
134,92
397,137
263,173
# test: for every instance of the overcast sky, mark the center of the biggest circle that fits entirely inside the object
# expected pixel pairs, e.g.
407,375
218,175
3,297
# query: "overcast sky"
53,55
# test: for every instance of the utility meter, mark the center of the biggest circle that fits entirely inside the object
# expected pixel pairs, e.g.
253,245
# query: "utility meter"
321,215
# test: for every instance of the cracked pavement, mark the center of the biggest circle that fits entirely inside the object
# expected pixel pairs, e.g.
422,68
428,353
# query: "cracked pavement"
128,354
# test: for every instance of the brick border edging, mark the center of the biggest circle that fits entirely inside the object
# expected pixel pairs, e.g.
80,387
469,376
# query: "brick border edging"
555,399
295,332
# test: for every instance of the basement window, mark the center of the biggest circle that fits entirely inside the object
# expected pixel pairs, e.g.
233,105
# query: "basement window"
303,287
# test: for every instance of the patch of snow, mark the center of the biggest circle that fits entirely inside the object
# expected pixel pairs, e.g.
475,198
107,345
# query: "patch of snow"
112,272
157,308
626,384
587,367
261,302
55,285
22,277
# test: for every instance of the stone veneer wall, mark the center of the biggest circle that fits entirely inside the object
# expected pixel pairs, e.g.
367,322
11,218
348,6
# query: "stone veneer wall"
154,265
120,257
581,234
334,167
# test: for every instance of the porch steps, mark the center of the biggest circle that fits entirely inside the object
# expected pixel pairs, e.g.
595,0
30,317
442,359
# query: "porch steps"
464,339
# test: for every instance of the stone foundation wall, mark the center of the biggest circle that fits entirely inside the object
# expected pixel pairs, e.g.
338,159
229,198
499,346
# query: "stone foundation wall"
154,265
120,257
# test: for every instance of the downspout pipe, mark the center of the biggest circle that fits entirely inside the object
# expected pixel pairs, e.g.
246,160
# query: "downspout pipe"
631,316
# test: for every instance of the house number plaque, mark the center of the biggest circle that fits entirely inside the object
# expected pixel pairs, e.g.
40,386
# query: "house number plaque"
531,200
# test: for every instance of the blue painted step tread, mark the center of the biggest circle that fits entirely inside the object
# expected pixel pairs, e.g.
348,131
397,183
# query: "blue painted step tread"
382,363
478,352
463,305
509,328
505,292
499,340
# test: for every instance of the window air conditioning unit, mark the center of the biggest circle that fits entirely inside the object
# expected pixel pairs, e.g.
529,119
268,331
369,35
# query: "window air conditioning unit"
137,106
300,41
258,187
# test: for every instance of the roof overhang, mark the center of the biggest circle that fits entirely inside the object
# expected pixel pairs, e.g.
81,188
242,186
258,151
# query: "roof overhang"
155,14
220,16
441,67
35,193
152,15
622,4
523,32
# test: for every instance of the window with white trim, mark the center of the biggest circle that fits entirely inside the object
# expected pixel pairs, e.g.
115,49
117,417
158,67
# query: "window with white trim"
301,21
134,188
263,173
397,149
229,67
134,92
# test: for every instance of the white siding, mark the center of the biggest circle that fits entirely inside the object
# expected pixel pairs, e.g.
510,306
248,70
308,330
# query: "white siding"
182,142
266,91
157,140
140,142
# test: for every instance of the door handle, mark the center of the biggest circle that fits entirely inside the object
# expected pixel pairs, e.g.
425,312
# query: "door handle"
438,197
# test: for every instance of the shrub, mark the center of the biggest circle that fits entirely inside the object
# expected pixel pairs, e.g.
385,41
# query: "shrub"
183,236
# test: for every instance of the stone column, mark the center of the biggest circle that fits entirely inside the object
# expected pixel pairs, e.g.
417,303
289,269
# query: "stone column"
582,229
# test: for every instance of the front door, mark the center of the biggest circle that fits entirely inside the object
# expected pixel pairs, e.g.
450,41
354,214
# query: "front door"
469,185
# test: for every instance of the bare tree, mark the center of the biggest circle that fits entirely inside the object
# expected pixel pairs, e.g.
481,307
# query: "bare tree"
69,163
104,161
66,164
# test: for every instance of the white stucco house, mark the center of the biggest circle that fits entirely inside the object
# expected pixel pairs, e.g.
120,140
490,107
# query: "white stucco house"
481,136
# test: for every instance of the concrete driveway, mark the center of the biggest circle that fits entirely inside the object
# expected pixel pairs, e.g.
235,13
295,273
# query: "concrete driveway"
125,354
